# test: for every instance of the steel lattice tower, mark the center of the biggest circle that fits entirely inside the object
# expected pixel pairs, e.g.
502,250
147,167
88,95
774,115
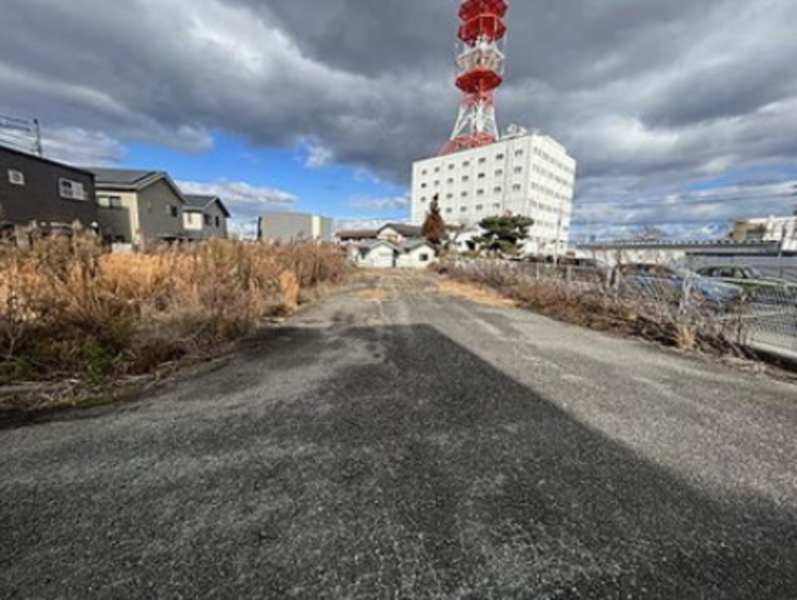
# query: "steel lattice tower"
481,72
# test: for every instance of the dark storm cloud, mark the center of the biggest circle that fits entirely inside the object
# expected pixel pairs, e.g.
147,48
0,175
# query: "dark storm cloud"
645,94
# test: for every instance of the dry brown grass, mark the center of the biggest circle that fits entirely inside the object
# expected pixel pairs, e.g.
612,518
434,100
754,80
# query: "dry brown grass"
599,308
69,310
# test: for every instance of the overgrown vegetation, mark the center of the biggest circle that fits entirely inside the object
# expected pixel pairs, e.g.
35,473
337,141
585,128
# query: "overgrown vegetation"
504,234
595,302
70,311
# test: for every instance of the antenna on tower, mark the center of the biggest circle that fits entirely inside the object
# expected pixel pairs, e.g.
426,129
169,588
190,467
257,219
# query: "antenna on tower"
481,71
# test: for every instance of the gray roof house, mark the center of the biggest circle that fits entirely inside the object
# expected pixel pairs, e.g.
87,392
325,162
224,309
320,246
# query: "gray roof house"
205,217
139,207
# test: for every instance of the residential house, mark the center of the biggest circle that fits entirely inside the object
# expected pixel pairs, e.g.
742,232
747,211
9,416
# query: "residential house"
49,193
139,207
397,233
294,227
382,254
205,217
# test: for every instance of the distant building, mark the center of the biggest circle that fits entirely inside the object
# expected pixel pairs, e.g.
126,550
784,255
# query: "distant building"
782,230
526,174
35,189
294,227
357,236
665,252
205,217
139,207
382,254
398,233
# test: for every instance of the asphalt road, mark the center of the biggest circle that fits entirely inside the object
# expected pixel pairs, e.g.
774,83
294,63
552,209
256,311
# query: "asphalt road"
395,442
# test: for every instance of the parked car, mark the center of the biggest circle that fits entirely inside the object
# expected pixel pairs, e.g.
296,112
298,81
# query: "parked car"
758,286
670,283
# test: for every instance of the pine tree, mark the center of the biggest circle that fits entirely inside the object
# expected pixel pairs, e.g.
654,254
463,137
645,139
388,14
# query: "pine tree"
504,234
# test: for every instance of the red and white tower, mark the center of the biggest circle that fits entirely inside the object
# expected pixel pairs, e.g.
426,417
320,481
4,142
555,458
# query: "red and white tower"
481,63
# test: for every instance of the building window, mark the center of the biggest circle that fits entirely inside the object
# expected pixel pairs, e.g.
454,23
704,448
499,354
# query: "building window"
517,187
113,202
423,198
466,163
480,192
423,186
482,161
423,257
482,175
464,209
218,221
499,173
464,194
451,167
499,157
498,189
466,178
518,169
480,207
497,206
518,152
16,177
71,190
437,170
450,181
449,210
449,196
208,220
424,172
437,183
172,211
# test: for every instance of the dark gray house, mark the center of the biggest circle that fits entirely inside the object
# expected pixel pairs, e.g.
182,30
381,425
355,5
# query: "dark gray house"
205,217
35,189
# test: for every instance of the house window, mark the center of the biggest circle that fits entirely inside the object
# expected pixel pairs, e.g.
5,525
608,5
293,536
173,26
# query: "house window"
113,202
172,211
71,190
218,221
423,257
16,177
208,220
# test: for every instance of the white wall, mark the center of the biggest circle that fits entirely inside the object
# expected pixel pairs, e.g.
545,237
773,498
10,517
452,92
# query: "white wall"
418,258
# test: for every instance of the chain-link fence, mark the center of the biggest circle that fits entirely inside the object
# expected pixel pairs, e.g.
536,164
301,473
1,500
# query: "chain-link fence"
760,319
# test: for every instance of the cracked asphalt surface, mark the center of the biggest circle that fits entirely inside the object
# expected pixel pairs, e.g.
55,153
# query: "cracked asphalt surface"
395,442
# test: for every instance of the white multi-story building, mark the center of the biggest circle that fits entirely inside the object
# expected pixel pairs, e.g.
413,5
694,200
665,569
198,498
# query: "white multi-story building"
527,174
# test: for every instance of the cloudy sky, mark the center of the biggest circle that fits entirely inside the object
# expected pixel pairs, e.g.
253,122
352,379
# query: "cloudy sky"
680,113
